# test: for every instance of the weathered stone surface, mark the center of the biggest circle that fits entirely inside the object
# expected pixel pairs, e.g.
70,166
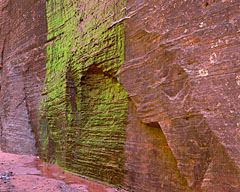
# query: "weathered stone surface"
168,122
23,35
150,163
83,106
181,71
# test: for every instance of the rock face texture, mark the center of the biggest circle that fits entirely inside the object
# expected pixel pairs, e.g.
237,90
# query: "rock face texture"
181,71
140,94
83,106
23,33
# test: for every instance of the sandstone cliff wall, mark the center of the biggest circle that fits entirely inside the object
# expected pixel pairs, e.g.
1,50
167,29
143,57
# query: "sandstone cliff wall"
139,94
83,106
23,33
181,71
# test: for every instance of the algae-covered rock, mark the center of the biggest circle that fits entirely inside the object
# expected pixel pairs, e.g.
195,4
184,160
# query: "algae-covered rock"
139,94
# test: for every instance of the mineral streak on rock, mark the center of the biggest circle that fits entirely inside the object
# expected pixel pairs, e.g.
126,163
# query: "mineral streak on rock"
22,63
84,107
181,71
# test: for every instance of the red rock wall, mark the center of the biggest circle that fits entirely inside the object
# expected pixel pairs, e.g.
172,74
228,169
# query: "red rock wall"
181,71
22,47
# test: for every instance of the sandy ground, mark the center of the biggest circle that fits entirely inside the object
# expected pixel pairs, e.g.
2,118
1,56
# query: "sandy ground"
24,173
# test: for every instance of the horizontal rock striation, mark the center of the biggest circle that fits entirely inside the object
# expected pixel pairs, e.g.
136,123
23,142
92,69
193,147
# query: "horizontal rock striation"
181,71
22,54
83,106
139,94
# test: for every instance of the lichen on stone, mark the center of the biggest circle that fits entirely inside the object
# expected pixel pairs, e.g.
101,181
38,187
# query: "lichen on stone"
84,107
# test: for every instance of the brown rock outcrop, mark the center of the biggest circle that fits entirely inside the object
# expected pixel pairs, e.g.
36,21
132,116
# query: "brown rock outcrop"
181,71
22,46
168,122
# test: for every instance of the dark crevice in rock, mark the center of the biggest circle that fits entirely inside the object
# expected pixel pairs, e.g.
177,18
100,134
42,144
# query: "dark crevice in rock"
153,124
2,53
71,90
1,67
94,69
20,103
53,38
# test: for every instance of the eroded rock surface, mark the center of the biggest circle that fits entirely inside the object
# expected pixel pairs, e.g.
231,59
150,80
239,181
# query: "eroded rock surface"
181,71
83,106
140,94
22,47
